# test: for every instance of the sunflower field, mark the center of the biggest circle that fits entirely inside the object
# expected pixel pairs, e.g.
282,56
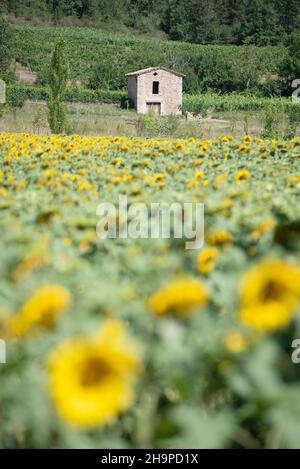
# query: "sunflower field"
122,343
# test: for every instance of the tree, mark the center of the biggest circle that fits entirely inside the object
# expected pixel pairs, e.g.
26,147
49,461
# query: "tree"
257,22
5,49
289,14
261,25
57,86
191,20
290,69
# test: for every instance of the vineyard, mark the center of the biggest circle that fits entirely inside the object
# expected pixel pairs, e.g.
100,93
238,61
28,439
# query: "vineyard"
185,348
272,117
197,104
20,93
100,59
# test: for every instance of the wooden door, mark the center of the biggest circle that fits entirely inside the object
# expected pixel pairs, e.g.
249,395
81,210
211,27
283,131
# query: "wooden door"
154,107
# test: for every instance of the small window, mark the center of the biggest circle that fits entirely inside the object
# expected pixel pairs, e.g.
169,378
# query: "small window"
155,87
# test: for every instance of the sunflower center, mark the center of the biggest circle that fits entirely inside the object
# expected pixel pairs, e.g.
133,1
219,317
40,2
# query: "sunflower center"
47,319
94,371
272,291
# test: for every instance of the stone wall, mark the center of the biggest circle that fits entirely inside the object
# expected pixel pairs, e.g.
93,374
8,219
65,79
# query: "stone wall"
132,89
170,91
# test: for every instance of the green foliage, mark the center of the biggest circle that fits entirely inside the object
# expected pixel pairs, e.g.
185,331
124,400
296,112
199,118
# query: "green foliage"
290,69
126,102
58,77
200,429
106,75
71,94
201,103
259,22
271,121
15,99
151,125
293,113
99,59
5,46
28,92
196,104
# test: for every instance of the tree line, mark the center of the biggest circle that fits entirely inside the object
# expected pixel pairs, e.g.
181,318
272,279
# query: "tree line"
257,22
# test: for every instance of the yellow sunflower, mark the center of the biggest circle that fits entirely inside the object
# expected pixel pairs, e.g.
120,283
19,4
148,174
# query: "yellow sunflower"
247,139
242,175
91,379
181,297
207,260
269,294
224,138
244,149
220,238
263,228
179,146
294,180
40,310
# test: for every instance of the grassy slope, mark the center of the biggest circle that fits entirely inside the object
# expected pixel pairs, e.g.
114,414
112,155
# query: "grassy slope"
109,119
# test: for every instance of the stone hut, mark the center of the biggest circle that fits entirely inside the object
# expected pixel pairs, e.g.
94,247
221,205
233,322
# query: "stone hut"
156,89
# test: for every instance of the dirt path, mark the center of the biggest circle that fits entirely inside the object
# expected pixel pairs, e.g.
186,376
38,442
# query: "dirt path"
24,75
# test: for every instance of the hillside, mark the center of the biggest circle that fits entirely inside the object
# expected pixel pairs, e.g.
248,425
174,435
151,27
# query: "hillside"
99,59
257,22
